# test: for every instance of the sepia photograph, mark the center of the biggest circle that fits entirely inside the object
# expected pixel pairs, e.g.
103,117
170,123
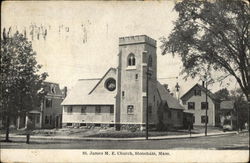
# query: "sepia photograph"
125,81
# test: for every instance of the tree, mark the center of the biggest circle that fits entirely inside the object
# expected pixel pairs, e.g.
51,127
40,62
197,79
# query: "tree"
242,107
222,94
21,85
214,33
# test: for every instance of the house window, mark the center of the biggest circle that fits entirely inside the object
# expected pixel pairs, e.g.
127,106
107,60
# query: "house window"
48,103
123,93
203,119
112,109
37,119
193,119
83,110
154,98
169,114
204,105
98,109
191,105
130,109
46,119
136,76
197,92
53,89
131,59
50,119
70,109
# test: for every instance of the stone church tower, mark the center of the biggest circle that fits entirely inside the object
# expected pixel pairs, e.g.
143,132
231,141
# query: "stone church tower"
137,56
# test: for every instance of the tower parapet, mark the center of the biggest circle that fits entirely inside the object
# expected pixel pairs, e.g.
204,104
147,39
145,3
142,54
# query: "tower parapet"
138,39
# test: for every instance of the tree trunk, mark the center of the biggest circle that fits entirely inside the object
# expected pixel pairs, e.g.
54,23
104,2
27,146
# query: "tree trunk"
7,128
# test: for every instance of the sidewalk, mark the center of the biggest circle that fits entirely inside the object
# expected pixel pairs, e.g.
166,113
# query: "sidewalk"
124,139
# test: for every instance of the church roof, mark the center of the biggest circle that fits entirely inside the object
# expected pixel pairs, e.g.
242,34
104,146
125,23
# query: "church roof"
167,98
81,94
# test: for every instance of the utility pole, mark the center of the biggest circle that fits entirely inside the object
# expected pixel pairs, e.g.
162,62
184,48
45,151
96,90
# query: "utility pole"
147,104
177,91
237,117
206,107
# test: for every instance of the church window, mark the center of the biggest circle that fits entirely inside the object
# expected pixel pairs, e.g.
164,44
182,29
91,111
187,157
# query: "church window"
136,76
130,109
70,109
98,109
150,61
83,110
111,109
110,84
150,109
131,59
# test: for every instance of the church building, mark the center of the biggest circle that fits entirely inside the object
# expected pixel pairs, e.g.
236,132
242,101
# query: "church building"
125,96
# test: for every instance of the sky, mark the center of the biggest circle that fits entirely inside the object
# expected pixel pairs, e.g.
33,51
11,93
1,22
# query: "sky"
76,40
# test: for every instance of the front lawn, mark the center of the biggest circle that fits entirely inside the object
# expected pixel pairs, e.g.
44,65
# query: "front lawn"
105,133
129,134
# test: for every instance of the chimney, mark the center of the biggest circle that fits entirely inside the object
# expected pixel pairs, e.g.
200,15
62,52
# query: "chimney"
203,84
65,91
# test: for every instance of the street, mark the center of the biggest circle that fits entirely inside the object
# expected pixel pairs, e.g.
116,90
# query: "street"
219,142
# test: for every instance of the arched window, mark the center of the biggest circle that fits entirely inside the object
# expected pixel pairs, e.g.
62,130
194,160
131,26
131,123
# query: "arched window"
131,59
150,61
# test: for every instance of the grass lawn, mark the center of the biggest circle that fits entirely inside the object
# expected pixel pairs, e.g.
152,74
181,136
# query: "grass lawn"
108,133
128,134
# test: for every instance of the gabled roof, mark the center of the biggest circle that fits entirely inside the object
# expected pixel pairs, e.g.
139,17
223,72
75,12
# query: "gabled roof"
209,93
227,104
167,98
101,79
81,94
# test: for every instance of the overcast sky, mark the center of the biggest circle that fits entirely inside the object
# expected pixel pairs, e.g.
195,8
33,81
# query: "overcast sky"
81,40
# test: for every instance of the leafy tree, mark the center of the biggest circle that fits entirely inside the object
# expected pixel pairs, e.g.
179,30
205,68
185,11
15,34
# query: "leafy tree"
213,34
21,85
222,94
242,107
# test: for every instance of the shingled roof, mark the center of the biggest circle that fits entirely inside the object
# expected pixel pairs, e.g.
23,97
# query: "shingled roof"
81,94
167,98
209,93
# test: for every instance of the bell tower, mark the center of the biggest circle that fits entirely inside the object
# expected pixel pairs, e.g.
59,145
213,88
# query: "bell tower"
137,67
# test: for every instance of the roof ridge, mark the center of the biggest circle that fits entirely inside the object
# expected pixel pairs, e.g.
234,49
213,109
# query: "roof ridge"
90,79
